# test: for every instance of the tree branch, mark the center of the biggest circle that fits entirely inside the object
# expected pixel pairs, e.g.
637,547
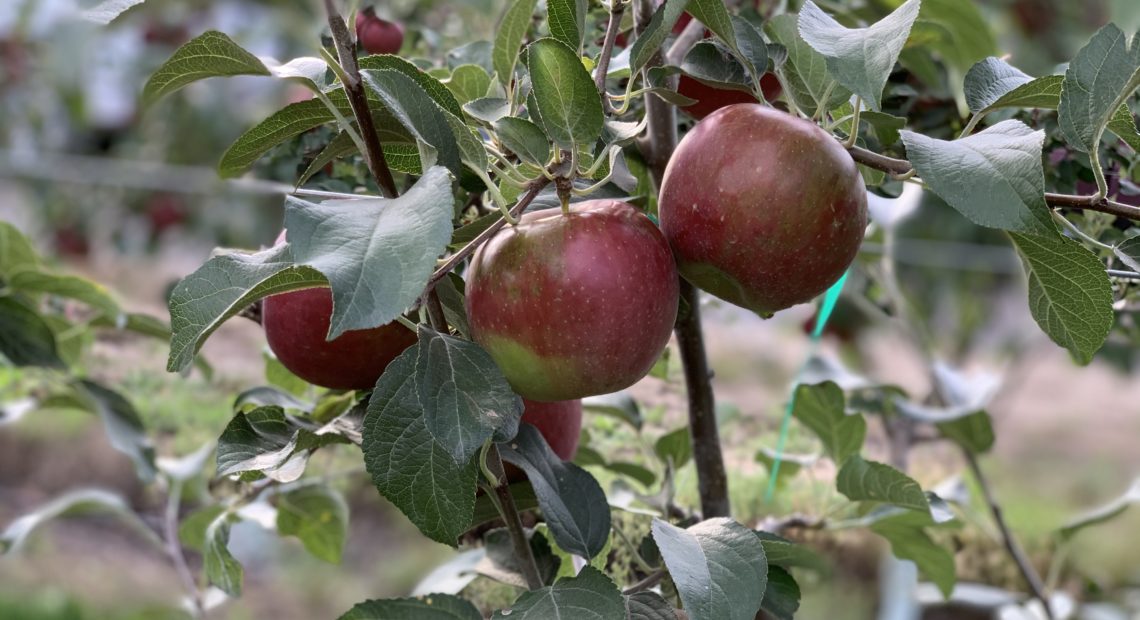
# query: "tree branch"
536,186
505,502
653,579
1011,545
358,99
1056,201
711,476
612,29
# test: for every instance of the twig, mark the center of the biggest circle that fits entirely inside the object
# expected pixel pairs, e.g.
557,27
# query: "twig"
653,579
711,476
1057,201
358,99
505,502
174,549
1011,544
791,522
453,261
616,11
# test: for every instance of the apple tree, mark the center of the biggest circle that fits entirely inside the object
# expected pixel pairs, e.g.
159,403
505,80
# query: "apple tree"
540,213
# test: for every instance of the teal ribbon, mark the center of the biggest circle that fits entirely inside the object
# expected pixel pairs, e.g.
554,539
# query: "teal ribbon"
825,309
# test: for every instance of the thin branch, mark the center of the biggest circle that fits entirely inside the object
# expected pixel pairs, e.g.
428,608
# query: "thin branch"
505,502
358,99
711,476
1011,544
653,579
174,549
612,29
536,186
1056,201
791,522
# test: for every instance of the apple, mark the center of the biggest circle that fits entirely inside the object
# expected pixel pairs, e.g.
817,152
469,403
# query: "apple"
709,99
762,209
296,327
574,305
376,35
560,424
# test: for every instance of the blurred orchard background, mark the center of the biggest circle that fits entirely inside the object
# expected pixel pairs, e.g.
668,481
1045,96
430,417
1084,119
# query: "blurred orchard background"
132,200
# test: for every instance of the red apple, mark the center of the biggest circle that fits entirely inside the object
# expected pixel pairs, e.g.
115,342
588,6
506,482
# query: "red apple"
376,35
710,98
762,209
296,326
560,424
574,305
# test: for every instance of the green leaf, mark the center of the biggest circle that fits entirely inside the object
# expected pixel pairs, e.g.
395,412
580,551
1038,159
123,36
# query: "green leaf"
861,480
16,252
572,502
784,553
718,566
567,21
524,139
222,569
223,287
1099,515
485,510
714,15
451,296
464,396
711,64
376,253
192,530
619,405
973,432
429,607
261,440
468,82
25,339
805,71
675,447
1123,124
277,375
860,59
751,47
407,465
318,515
821,409
790,464
993,83
648,606
122,425
994,178
967,35
415,109
503,565
634,471
106,11
508,38
294,120
886,126
569,106
488,109
1128,251
1070,295
433,87
213,54
589,596
69,287
1099,79
74,503
782,598
912,543
650,40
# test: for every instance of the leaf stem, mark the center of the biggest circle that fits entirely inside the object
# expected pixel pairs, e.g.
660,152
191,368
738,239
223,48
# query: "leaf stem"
850,142
501,496
358,99
174,548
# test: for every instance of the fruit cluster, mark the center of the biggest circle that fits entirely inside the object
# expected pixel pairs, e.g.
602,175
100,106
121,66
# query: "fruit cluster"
759,208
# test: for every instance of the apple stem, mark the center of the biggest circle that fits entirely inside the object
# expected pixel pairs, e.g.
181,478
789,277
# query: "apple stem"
358,100
658,148
500,494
